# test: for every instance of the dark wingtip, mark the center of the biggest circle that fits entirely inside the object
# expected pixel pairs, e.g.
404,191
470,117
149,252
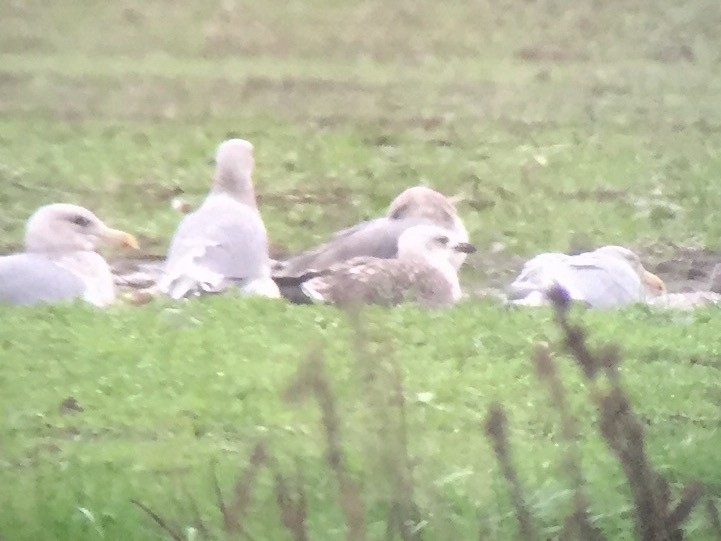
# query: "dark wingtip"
282,280
295,295
290,286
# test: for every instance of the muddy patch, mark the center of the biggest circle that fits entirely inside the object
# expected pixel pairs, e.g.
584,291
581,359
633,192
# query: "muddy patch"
685,269
488,273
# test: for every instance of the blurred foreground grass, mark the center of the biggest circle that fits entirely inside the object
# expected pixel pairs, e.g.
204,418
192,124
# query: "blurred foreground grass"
167,391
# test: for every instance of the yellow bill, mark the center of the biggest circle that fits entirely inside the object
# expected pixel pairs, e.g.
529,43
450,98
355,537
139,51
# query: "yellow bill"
120,237
653,282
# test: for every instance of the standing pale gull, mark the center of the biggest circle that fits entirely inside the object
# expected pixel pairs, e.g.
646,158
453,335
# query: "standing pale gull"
60,261
379,237
607,277
422,272
224,243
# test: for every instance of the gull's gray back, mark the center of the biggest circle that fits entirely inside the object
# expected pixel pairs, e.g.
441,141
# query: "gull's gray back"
373,238
607,281
600,280
32,278
224,236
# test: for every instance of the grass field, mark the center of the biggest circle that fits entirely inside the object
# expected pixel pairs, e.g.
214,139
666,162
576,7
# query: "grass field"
560,126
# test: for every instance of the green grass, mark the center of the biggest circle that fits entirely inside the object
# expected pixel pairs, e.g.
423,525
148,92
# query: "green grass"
561,126
168,390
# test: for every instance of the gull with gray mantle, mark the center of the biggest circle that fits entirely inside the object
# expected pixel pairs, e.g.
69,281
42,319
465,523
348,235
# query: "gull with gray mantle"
59,261
379,237
223,244
608,277
423,272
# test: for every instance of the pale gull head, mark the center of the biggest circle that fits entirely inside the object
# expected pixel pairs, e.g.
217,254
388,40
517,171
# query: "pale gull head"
648,279
234,164
434,244
61,227
423,202
60,261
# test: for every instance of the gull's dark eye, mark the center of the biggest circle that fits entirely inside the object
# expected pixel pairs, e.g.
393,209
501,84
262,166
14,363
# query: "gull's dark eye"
82,221
442,240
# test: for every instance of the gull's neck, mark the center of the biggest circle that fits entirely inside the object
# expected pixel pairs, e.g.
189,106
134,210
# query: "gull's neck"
441,264
450,273
237,184
95,273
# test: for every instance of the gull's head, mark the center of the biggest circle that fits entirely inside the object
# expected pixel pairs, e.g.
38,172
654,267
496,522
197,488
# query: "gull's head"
234,165
423,202
62,227
649,280
432,243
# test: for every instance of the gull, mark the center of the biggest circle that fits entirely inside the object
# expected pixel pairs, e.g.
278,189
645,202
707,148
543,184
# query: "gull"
379,237
608,277
422,272
59,260
223,243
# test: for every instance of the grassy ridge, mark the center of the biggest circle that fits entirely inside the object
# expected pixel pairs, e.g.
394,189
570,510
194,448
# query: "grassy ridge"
125,100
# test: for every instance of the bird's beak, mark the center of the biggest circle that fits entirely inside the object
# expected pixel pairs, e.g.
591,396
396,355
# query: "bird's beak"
119,237
653,282
464,247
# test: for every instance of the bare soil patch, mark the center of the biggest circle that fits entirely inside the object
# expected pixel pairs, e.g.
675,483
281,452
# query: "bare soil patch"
489,272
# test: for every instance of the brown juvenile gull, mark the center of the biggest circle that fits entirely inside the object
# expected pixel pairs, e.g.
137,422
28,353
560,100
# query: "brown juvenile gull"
422,272
379,237
607,277
224,242
60,261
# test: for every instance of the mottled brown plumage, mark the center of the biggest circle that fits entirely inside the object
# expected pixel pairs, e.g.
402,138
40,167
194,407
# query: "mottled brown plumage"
368,280
422,273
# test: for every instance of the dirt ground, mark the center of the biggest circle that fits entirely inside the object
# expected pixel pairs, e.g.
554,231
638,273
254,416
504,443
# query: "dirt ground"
686,269
489,272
